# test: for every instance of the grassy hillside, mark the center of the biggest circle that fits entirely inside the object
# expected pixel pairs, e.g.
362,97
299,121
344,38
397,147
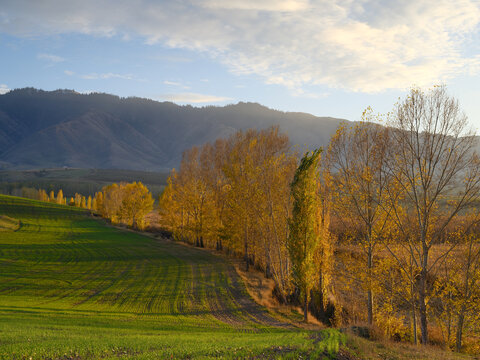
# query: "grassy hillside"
73,288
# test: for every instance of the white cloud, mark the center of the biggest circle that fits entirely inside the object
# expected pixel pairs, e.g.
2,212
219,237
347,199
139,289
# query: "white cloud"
95,76
173,83
364,45
176,83
103,76
50,57
173,59
309,95
4,89
265,5
193,98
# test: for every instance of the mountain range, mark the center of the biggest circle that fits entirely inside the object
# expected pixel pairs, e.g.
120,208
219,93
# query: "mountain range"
63,128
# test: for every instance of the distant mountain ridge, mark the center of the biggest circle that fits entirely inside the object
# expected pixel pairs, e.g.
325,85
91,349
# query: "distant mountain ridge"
47,129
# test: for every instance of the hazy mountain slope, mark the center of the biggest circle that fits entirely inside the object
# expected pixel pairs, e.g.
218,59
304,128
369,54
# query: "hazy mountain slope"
63,128
10,131
94,140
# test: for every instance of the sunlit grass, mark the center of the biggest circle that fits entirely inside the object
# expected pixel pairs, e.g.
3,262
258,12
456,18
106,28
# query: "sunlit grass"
73,288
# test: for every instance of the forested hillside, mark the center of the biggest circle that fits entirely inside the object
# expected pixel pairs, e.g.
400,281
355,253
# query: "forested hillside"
46,129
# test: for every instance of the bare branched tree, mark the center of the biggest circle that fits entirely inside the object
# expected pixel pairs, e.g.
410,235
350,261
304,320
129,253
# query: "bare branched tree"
437,170
357,158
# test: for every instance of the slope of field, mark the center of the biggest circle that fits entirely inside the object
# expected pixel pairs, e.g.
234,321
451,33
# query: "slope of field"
73,288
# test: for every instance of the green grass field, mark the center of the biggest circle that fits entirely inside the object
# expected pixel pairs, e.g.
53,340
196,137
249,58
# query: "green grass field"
72,287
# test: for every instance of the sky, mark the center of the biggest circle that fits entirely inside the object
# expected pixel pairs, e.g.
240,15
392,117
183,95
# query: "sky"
326,57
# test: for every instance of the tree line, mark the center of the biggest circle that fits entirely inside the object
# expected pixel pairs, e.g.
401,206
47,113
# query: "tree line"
123,203
78,200
382,225
234,195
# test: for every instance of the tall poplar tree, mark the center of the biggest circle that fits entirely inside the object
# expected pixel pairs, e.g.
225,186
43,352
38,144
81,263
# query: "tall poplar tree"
60,197
303,240
89,202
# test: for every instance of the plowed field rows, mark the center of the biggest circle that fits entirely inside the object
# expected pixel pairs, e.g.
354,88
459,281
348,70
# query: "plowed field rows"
73,288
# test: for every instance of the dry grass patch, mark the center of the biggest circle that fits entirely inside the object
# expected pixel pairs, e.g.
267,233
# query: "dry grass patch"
8,223
261,289
383,350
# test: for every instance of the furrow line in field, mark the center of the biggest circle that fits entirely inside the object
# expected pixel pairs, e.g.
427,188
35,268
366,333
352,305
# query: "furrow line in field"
215,302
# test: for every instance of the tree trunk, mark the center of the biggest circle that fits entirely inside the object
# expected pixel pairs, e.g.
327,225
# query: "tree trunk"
370,307
461,319
369,292
412,299
449,326
246,249
305,307
320,291
268,271
423,307
322,301
414,321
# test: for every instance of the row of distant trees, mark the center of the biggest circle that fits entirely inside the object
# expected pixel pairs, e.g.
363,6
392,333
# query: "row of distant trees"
124,203
382,225
78,200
